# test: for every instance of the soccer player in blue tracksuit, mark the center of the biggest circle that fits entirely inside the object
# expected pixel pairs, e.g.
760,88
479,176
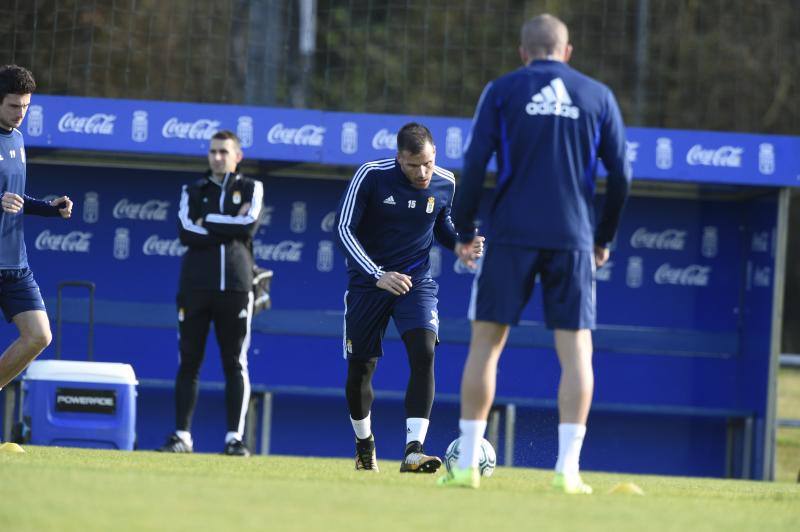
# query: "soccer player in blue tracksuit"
20,299
386,223
548,125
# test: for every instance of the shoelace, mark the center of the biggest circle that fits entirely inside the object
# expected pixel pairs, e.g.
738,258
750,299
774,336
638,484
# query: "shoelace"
366,458
415,458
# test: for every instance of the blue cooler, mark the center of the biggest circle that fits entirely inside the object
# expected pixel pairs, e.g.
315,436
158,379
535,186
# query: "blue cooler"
80,404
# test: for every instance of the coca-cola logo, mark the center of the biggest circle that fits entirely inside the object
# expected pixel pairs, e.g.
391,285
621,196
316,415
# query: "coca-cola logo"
729,156
97,124
72,242
692,275
155,210
202,129
284,251
163,247
385,140
307,135
671,239
328,221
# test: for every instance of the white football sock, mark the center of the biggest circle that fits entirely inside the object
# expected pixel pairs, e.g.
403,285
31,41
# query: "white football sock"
416,429
570,441
184,435
471,436
362,427
230,436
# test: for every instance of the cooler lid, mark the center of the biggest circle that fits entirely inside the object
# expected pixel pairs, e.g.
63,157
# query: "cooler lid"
74,371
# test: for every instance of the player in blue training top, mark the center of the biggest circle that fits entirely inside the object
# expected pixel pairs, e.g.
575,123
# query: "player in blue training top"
20,299
386,223
547,124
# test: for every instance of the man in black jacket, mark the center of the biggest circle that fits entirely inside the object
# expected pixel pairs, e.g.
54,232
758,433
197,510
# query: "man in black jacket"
218,217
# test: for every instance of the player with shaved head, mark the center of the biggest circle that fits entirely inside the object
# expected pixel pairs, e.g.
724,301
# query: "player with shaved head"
548,125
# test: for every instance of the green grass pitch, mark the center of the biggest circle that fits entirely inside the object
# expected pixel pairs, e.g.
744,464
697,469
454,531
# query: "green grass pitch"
84,490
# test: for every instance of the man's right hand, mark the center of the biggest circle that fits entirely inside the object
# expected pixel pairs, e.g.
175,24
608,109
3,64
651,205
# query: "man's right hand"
601,255
395,283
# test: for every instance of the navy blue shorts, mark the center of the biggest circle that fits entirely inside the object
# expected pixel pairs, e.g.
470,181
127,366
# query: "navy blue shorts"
367,313
19,292
506,277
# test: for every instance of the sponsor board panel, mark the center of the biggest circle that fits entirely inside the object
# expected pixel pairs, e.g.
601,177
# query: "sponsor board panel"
349,138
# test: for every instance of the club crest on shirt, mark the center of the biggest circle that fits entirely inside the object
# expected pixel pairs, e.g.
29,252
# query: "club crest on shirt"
237,197
431,204
181,314
349,346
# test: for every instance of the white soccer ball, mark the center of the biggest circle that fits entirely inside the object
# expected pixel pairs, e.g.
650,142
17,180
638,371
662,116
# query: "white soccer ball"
487,459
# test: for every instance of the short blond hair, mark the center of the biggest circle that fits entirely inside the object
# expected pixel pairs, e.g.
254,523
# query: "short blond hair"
543,35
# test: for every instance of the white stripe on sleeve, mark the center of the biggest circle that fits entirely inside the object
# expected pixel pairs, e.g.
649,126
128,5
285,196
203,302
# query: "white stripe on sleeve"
183,214
350,242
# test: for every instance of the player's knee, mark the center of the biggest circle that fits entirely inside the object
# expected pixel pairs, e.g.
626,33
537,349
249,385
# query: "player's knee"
37,341
360,370
189,368
420,345
421,360
233,369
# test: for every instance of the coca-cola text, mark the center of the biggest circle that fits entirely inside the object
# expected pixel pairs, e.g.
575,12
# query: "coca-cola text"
72,242
307,135
284,251
155,210
163,247
97,124
202,129
384,140
729,156
692,275
672,239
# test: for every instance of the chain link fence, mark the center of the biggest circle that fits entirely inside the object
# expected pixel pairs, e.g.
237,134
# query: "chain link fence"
712,64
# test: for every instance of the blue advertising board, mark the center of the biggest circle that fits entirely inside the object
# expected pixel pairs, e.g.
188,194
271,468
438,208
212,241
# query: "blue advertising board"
300,135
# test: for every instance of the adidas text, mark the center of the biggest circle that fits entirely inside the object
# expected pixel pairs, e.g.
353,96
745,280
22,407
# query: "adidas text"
553,100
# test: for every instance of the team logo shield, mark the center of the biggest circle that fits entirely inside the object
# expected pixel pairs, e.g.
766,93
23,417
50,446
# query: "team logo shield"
431,204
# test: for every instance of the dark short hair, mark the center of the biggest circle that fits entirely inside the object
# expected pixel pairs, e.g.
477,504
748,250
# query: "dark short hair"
15,80
412,138
227,134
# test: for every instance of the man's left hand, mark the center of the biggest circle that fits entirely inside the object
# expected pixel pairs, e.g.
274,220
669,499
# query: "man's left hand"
64,205
470,252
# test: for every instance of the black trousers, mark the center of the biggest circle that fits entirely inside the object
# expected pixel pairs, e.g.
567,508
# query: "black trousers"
231,313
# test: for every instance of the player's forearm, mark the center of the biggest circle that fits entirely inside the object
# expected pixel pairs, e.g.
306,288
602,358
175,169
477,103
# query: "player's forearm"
618,187
356,255
39,207
231,230
446,236
465,205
